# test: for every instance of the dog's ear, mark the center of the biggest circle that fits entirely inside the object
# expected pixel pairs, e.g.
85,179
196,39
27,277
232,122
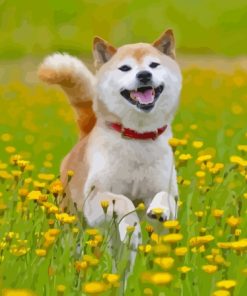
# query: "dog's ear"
166,43
102,51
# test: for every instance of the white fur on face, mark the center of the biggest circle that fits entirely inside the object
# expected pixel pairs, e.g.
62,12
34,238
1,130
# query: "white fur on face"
111,81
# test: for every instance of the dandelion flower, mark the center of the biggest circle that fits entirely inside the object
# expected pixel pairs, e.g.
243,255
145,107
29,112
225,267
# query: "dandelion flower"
226,284
94,287
157,278
40,252
172,238
221,293
210,268
181,251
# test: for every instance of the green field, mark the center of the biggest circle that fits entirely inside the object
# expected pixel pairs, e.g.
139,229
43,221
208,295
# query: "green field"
37,28
209,241
44,252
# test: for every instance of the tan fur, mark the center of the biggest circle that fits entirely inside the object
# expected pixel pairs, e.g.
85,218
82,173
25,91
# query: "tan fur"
76,161
137,51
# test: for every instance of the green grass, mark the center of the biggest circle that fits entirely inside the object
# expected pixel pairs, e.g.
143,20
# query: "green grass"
36,121
38,28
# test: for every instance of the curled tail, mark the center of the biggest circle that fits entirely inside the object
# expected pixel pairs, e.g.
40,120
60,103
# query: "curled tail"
77,82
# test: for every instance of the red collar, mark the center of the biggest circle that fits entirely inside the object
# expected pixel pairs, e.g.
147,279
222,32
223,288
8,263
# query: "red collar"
129,133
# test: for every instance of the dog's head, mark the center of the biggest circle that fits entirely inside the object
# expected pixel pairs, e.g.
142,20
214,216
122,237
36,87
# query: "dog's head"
137,84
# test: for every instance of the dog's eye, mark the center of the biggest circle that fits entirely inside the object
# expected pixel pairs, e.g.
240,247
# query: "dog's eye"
125,68
154,65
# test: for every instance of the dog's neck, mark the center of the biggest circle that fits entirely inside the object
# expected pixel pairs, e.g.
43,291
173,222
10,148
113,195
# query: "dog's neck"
132,134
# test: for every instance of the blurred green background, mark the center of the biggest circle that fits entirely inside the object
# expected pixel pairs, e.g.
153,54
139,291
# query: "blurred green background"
39,27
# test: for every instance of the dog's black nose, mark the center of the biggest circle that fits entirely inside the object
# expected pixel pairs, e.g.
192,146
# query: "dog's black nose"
144,76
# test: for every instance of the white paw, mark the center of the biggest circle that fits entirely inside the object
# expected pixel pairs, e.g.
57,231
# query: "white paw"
163,207
161,213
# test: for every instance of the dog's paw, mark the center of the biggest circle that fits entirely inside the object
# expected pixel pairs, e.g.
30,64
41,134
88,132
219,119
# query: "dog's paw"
161,214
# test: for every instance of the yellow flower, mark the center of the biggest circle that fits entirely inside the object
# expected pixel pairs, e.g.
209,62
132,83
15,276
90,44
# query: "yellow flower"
218,180
239,245
226,284
16,173
92,243
217,167
94,287
5,175
200,240
170,224
157,278
157,212
34,195
145,248
141,207
197,144
184,157
3,208
56,187
3,166
10,149
233,221
174,142
111,278
237,232
181,251
238,160
60,288
193,127
149,229
164,262
203,158
23,192
221,293
200,174
242,148
17,292
172,238
161,249
66,218
224,245
6,137
14,158
91,260
92,231
40,252
46,177
217,213
130,229
22,164
81,265
199,214
210,268
70,173
19,250
184,269
104,205
53,231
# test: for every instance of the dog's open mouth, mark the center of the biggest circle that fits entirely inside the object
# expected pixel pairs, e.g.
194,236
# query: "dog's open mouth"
143,97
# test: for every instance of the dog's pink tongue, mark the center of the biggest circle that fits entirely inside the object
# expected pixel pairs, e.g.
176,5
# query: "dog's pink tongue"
145,97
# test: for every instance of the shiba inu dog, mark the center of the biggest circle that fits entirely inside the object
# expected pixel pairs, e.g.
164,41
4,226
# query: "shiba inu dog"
124,113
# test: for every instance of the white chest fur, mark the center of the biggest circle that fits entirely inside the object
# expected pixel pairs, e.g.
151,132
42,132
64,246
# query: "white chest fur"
137,169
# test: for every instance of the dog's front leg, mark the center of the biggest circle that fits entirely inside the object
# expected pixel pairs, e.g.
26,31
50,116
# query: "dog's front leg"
163,207
119,205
